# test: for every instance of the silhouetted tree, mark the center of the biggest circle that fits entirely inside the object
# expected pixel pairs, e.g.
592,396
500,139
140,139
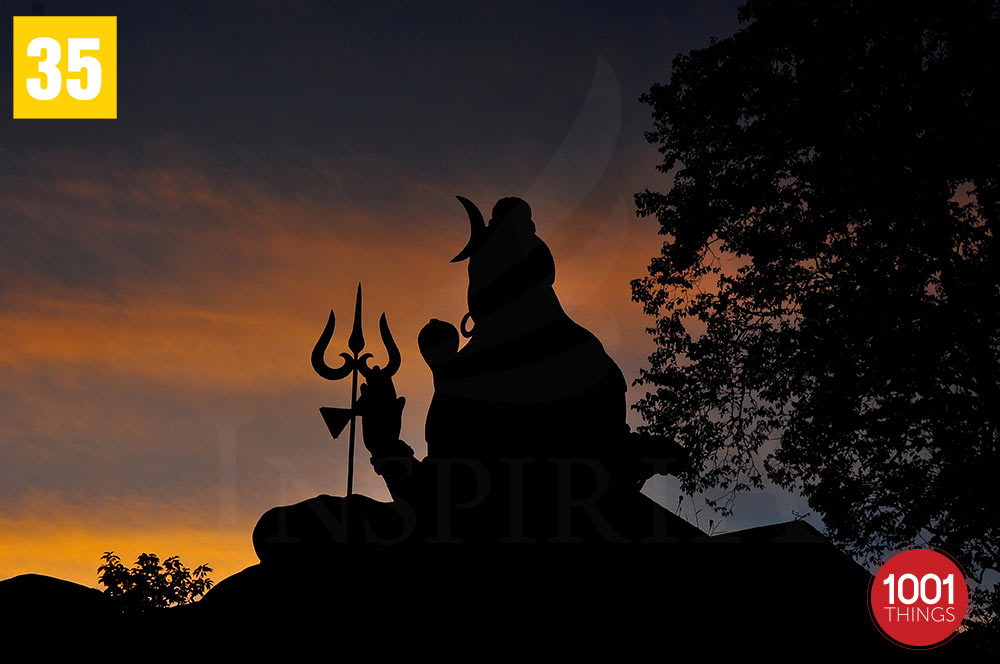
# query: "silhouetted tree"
827,299
151,584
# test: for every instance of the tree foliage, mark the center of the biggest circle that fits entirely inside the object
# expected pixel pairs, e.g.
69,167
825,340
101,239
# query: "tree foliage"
827,298
150,584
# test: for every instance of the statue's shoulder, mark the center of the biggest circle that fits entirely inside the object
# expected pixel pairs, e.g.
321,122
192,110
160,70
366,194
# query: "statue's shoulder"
551,361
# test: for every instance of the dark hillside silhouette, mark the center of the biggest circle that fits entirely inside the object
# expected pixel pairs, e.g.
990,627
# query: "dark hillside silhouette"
41,598
831,227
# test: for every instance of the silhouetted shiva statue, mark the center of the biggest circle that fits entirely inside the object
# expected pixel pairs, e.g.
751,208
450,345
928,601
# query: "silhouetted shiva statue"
526,433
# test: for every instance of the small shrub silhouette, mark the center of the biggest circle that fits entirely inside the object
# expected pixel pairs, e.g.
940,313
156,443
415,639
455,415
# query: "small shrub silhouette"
150,584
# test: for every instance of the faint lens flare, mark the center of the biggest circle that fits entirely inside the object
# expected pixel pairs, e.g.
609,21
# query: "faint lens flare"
583,157
574,171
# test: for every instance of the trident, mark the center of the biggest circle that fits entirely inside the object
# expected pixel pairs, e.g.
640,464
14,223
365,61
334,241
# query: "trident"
337,418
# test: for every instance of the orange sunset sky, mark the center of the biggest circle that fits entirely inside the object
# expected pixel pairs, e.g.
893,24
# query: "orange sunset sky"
164,276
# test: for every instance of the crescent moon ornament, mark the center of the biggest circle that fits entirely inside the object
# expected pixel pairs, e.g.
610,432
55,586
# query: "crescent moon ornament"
477,226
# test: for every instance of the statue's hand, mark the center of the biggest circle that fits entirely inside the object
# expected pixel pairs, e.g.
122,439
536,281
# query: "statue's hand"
381,415
438,342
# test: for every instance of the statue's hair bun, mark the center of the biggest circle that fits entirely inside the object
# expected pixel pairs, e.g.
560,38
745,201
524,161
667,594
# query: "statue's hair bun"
515,212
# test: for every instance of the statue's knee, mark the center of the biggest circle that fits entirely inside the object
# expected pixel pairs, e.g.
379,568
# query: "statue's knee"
318,526
261,532
271,531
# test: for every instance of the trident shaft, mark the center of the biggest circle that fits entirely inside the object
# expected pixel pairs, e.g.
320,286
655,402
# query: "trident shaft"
354,363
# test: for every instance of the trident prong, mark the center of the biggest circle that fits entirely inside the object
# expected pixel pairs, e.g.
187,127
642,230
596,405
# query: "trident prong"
390,347
354,362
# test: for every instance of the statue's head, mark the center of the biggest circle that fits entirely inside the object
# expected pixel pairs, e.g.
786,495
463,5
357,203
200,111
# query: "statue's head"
506,259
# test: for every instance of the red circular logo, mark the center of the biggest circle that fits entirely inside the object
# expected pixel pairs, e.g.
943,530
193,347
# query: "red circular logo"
918,597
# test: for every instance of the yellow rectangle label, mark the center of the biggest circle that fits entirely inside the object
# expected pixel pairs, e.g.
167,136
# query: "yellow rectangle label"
65,67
